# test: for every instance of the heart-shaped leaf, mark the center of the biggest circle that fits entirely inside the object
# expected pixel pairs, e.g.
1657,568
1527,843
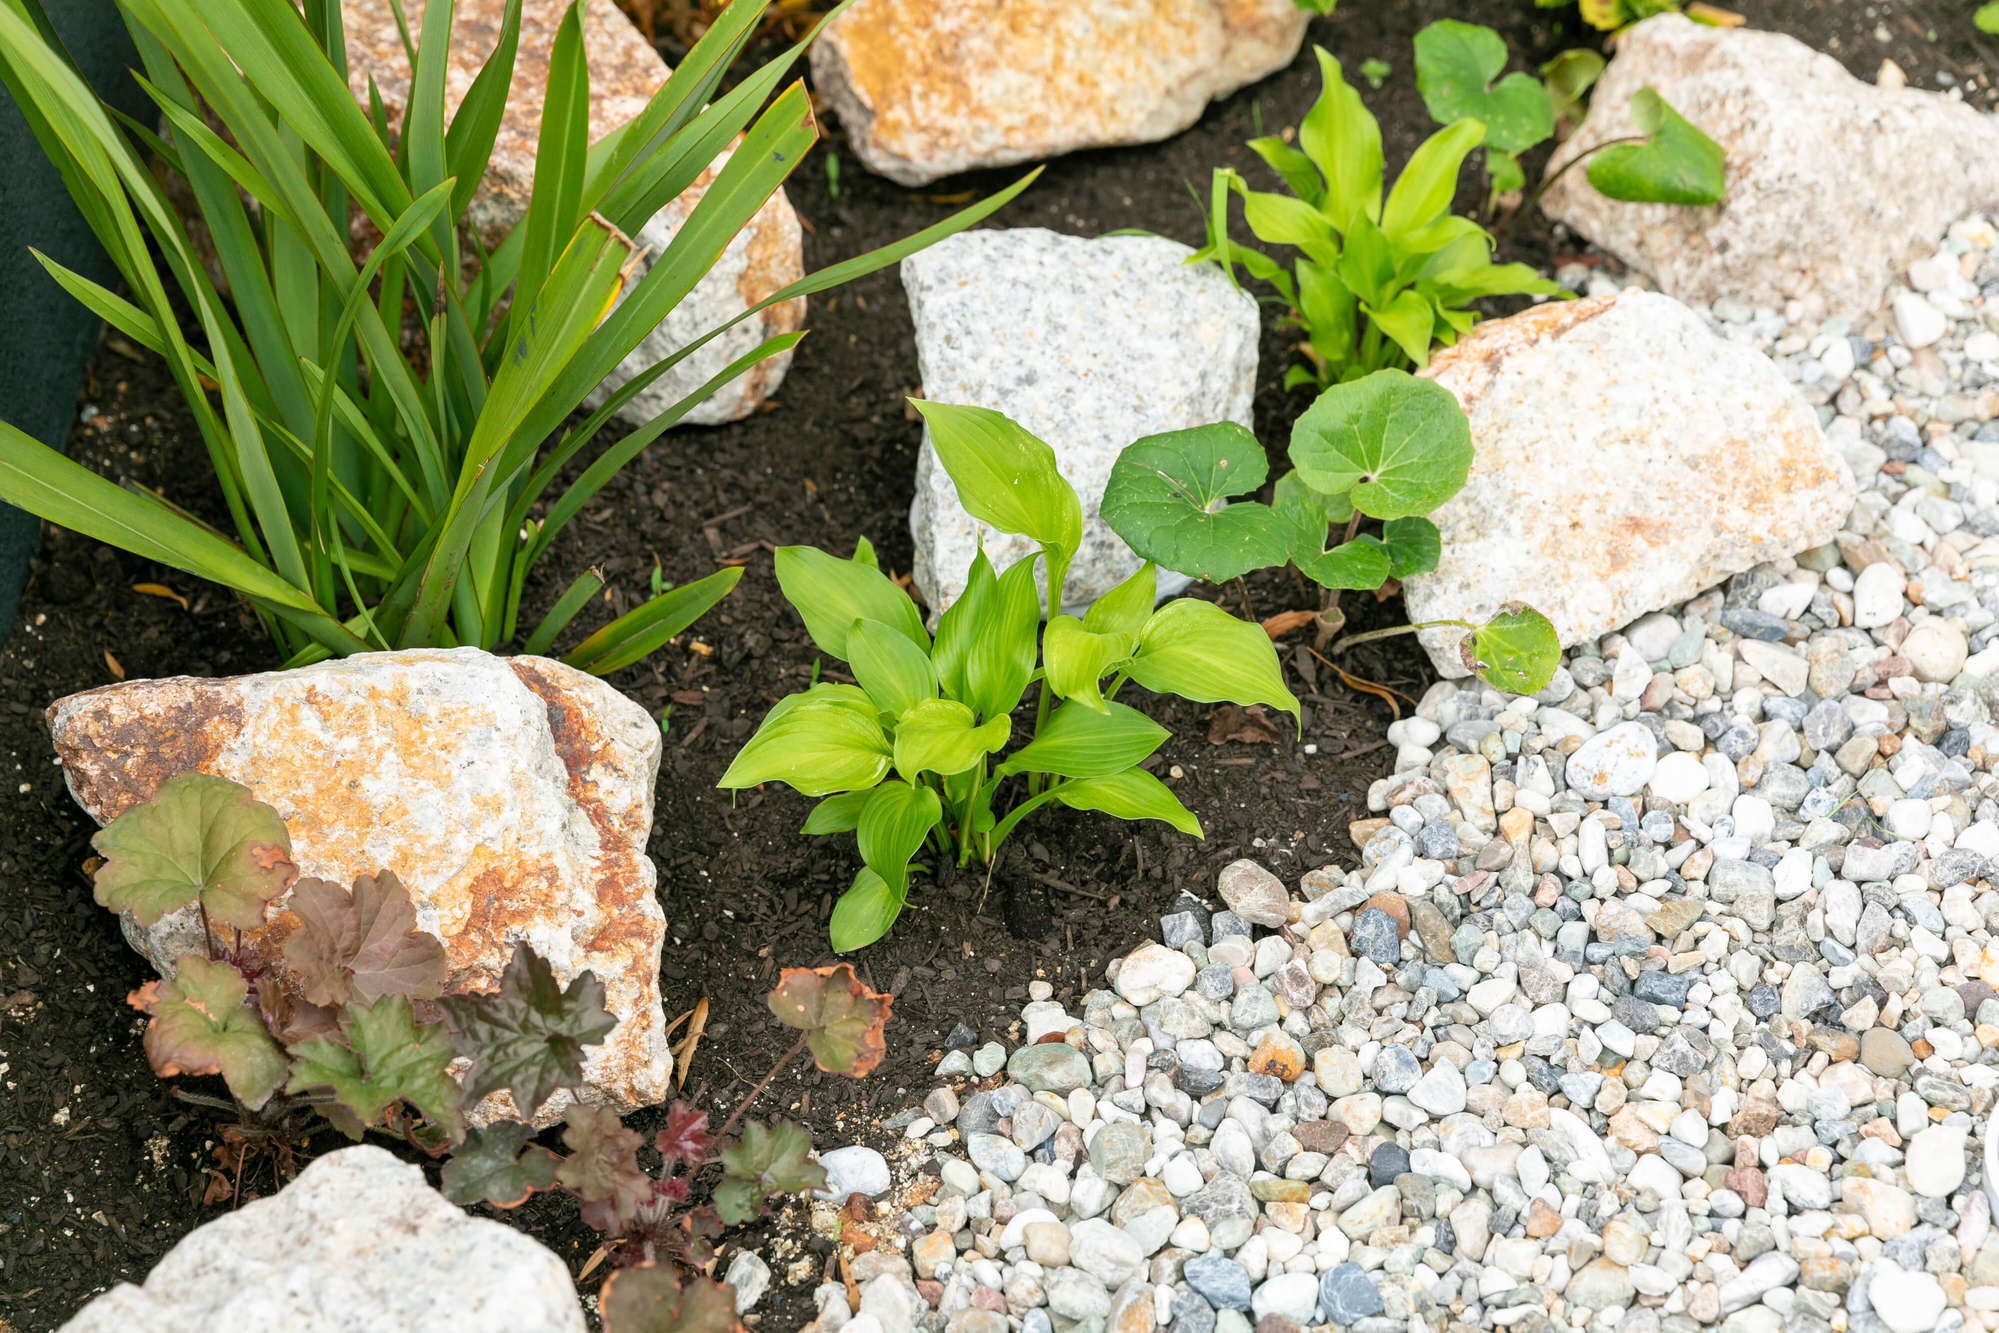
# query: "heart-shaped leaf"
1162,496
1456,65
528,1037
498,1165
1395,445
602,1168
1677,165
1412,545
200,838
841,1018
201,1025
770,1159
386,1058
655,1298
362,944
1515,651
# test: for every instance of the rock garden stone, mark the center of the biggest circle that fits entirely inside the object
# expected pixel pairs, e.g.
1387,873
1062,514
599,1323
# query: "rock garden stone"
512,796
924,90
1626,458
1833,184
625,71
1090,345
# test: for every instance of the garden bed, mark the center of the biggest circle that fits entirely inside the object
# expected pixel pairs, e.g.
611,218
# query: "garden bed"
101,1170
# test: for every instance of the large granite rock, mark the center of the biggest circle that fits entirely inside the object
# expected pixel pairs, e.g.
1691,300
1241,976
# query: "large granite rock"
925,89
1834,185
358,1243
512,796
1625,458
1089,344
625,71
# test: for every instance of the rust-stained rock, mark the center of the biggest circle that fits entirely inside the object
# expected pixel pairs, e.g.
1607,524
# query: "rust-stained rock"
1834,185
513,796
1624,459
925,89
625,71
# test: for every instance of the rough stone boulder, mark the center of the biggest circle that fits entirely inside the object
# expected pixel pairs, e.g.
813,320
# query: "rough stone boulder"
357,1242
1834,185
925,89
1089,344
1625,458
625,71
512,796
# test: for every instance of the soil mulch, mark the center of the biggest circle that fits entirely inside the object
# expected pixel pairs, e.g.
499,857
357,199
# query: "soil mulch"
101,1170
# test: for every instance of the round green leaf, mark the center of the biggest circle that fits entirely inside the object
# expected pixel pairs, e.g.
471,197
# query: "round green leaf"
1412,546
1162,497
1678,165
1515,651
200,838
1456,64
1358,565
1393,444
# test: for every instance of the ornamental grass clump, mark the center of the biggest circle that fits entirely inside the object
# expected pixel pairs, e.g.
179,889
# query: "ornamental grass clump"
388,432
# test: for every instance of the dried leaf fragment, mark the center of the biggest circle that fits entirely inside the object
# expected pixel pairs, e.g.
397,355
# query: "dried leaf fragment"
842,1019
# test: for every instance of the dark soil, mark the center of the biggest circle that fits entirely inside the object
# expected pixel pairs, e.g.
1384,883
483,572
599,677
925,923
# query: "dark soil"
101,1170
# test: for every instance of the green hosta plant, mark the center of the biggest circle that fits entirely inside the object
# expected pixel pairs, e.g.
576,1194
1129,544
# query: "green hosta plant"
391,435
915,755
1610,15
1370,460
1669,160
1377,281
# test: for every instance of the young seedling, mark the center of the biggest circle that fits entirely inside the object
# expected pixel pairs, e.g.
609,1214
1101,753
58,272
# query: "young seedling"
914,754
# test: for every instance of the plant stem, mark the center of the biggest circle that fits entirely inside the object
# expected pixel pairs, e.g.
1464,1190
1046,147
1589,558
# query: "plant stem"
1393,630
757,1091
1547,181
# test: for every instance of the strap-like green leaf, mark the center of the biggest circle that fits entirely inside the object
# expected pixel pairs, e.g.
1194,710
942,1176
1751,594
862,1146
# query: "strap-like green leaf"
647,628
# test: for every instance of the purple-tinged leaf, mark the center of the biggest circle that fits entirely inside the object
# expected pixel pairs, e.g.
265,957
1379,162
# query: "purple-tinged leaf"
654,1298
528,1037
603,1170
498,1165
201,1025
387,1057
361,944
842,1019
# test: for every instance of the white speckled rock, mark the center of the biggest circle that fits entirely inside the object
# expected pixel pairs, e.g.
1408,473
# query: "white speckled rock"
1626,458
1833,184
925,89
513,796
1090,344
356,1244
625,71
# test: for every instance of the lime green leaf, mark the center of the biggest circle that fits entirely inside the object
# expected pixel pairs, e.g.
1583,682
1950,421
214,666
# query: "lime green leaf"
1424,189
1125,608
831,594
770,1159
1132,794
499,1166
1986,17
1162,496
1679,164
865,911
1004,475
1344,142
896,673
199,1024
386,1058
986,640
1198,651
839,813
822,740
893,824
1505,170
842,1019
1456,65
1570,75
1515,651
528,1037
1396,445
655,1298
361,945
1076,660
943,736
1080,743
199,838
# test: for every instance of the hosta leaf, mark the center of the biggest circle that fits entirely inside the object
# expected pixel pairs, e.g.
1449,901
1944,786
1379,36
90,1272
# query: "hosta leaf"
1132,794
769,1159
1077,659
1004,634
686,1137
602,1168
529,1036
1679,164
200,838
1198,651
831,594
387,1058
201,1025
1125,608
498,1165
865,911
842,1019
1083,743
1395,445
821,740
895,673
1161,499
943,736
1515,651
1004,475
363,944
1456,65
656,1298
840,813
893,824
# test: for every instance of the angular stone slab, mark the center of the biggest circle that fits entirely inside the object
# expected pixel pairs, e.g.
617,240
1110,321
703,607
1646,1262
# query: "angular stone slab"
1089,344
1834,185
924,89
512,796
1624,459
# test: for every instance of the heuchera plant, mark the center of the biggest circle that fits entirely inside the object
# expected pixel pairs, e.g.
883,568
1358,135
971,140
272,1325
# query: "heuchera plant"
1388,448
910,755
1377,282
